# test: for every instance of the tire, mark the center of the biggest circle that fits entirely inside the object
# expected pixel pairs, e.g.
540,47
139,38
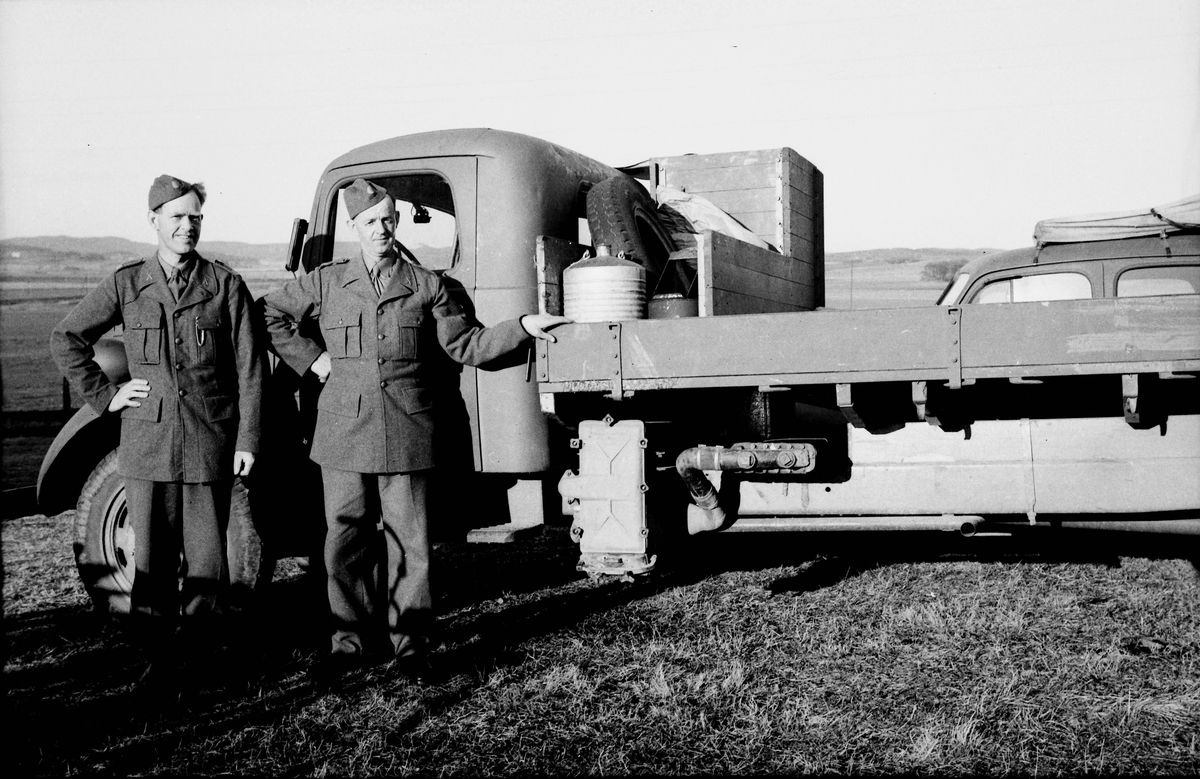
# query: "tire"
105,546
622,215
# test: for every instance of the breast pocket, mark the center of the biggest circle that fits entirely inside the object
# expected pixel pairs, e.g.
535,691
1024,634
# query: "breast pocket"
209,329
144,326
343,333
408,340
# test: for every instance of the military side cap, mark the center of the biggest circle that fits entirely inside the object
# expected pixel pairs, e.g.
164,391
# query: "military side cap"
361,195
166,188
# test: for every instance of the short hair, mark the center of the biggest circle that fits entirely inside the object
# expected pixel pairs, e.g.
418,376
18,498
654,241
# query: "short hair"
198,188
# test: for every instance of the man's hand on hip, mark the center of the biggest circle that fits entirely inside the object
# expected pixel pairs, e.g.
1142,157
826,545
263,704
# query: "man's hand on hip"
242,463
129,393
321,367
537,325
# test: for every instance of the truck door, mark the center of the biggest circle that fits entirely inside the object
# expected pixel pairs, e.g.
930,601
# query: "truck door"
436,210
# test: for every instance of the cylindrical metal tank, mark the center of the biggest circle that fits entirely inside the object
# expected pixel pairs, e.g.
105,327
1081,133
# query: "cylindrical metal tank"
672,305
604,289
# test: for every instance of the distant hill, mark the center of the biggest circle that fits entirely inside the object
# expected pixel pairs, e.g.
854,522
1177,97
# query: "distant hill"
871,278
51,255
64,251
892,278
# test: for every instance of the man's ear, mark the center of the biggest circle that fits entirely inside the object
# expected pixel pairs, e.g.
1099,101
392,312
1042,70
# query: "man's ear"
152,218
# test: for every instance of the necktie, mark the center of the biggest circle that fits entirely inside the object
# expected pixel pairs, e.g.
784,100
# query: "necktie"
176,283
377,275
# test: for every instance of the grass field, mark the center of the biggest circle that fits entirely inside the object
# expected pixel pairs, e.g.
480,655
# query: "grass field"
871,654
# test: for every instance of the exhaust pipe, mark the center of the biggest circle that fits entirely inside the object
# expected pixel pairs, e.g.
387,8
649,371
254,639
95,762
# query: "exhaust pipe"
775,457
706,513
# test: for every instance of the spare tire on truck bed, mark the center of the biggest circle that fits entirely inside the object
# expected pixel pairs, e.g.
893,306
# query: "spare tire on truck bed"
105,545
622,215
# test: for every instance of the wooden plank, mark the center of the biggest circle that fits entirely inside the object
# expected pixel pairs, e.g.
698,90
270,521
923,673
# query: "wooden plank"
732,275
552,256
804,231
719,160
727,303
796,160
1112,330
704,273
802,203
1068,338
736,254
760,285
503,534
803,179
741,200
700,180
762,225
763,288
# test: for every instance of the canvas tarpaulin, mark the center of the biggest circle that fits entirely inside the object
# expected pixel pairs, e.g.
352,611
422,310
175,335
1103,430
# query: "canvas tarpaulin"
1180,215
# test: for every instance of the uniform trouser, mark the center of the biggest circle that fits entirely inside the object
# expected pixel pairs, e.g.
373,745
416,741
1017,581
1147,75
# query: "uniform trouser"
354,503
170,518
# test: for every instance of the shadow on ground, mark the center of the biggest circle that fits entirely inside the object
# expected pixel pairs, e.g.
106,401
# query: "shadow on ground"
69,682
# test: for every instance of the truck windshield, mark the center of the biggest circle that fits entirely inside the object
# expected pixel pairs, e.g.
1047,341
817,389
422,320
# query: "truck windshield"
952,292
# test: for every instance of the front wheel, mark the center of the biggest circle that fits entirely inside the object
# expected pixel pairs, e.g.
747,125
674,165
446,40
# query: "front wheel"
106,547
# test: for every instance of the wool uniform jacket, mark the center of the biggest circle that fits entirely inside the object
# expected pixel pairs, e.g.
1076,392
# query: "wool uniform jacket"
374,414
202,356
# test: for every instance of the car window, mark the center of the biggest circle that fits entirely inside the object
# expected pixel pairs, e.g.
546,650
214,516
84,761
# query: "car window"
1163,280
1042,286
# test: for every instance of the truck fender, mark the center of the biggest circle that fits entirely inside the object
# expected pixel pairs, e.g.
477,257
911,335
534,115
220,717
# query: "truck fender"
84,440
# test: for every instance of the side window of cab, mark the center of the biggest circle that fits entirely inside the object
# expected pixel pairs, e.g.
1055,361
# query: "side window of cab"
1037,287
425,220
1159,280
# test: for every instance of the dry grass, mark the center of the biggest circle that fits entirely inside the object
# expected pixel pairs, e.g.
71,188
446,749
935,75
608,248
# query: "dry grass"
758,656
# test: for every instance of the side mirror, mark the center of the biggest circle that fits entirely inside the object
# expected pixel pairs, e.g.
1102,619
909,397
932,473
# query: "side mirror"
296,244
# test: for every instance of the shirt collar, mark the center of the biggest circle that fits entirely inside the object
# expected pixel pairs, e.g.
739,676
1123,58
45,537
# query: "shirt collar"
184,267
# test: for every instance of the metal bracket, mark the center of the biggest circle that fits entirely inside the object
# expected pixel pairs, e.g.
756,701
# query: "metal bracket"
542,349
920,397
618,388
846,405
1129,397
955,351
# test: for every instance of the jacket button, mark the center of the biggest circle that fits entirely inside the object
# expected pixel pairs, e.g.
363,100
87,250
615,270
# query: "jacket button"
381,336
176,315
178,340
178,366
380,311
182,393
383,383
381,361
137,324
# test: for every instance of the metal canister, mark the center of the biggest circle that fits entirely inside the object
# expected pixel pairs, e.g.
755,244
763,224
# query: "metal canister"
672,305
604,289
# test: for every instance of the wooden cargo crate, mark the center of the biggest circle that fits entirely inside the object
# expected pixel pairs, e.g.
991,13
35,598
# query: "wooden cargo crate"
775,193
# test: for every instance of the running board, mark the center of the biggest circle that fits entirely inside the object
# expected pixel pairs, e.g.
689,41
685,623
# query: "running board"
502,534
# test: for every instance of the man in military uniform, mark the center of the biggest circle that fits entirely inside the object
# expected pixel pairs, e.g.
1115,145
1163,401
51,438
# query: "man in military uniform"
189,414
381,318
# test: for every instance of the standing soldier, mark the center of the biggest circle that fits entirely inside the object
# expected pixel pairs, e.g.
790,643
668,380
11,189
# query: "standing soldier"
380,317
189,414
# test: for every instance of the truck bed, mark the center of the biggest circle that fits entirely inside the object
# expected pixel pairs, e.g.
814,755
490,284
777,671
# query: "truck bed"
952,345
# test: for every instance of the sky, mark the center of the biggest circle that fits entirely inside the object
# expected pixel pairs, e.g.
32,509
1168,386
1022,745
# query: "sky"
936,123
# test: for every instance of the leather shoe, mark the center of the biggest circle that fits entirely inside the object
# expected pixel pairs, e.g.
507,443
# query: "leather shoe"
328,669
416,668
